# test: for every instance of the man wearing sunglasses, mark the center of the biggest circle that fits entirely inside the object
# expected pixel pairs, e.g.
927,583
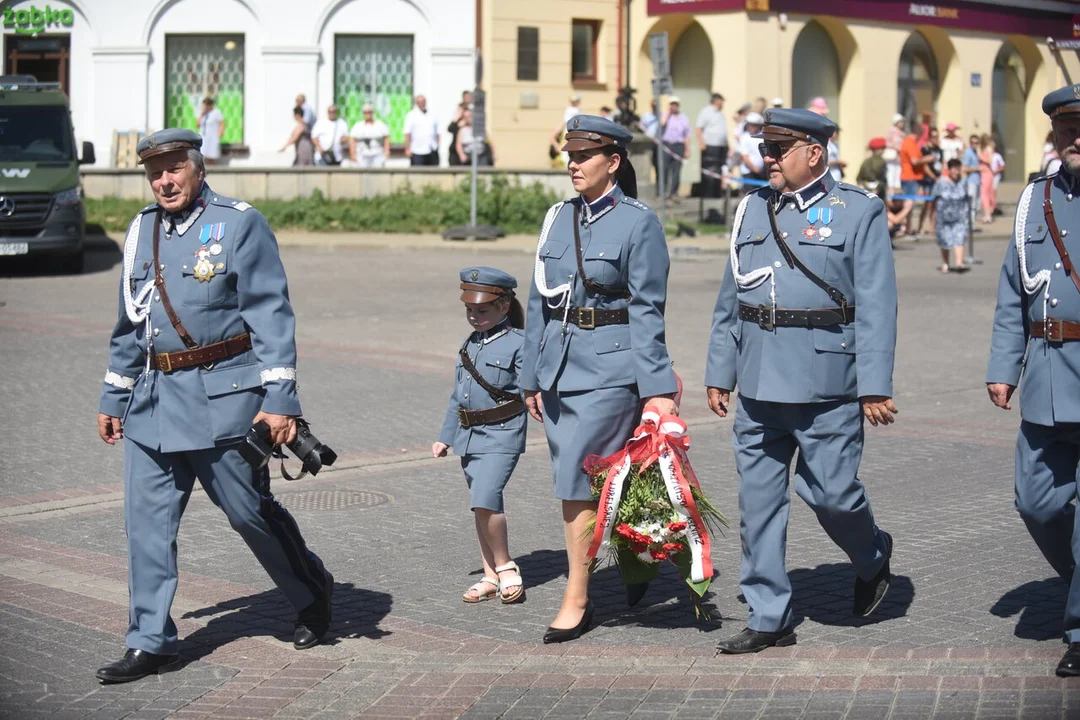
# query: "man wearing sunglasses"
805,327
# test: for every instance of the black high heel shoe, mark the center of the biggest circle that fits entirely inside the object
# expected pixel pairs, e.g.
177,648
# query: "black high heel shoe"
558,635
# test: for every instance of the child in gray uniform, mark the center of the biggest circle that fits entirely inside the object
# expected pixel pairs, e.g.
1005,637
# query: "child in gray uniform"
485,423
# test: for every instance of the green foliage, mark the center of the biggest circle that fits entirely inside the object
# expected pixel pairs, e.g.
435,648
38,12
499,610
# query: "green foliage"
513,207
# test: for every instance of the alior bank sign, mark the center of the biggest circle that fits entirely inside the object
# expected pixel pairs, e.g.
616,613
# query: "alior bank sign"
32,20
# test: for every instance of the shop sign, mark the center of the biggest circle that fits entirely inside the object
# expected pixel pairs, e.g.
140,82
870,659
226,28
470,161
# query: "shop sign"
33,20
933,11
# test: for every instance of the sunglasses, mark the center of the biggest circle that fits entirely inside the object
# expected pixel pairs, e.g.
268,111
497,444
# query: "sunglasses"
776,150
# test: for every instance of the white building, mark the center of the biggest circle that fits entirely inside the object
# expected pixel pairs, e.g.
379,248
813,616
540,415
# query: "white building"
146,64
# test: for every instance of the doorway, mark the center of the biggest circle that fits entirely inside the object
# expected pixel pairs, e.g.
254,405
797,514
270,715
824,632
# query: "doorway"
46,57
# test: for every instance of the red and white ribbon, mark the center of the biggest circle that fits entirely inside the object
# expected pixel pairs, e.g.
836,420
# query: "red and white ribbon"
661,439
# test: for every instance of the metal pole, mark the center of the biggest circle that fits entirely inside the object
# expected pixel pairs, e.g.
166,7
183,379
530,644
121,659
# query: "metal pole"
660,152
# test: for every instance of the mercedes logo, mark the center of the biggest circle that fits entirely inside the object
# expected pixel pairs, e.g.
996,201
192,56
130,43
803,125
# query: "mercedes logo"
7,206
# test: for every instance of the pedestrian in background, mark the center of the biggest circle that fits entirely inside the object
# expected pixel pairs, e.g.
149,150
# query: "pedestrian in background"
675,133
912,172
949,196
485,422
308,113
987,193
894,140
752,164
300,139
932,170
836,165
872,172
713,143
331,138
466,139
211,129
421,135
818,106
952,145
972,175
369,140
455,124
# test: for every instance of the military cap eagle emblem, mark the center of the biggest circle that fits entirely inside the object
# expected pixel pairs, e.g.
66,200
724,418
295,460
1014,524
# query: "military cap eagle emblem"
474,275
151,142
576,123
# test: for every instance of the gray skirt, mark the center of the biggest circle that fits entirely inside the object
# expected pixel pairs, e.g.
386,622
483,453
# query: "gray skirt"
486,475
579,424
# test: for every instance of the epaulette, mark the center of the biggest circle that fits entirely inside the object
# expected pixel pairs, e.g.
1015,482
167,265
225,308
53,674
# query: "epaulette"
148,208
634,202
232,203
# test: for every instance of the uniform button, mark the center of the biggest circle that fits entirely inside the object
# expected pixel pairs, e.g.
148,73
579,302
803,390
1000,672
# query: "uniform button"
843,345
157,331
601,254
157,298
184,266
784,235
498,362
1069,197
758,237
777,264
235,386
790,207
162,266
1053,302
466,396
1057,266
1064,233
502,424
617,345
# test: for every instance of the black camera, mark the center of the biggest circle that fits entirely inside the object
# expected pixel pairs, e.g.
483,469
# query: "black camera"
257,448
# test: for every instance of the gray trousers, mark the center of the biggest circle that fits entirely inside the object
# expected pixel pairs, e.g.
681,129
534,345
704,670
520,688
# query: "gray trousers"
829,438
673,168
1047,459
157,487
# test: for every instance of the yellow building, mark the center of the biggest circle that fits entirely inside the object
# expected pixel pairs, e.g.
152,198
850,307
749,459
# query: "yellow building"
983,65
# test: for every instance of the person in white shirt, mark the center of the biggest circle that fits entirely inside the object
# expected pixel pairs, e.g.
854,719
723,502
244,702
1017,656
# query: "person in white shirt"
211,128
572,110
952,146
713,143
753,164
331,137
369,141
421,134
463,146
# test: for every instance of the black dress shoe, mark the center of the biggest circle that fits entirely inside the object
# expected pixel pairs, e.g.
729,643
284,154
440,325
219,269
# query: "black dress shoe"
558,635
634,592
134,665
313,622
1070,663
752,641
869,593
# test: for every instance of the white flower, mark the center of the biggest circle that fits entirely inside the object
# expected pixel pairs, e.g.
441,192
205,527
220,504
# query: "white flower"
654,529
646,557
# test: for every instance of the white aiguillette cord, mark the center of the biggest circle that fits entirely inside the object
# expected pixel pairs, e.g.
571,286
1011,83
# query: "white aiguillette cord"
1031,283
562,292
137,307
752,279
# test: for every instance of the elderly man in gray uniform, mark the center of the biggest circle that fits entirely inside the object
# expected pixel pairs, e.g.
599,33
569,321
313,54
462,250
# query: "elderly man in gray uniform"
805,325
203,348
1036,326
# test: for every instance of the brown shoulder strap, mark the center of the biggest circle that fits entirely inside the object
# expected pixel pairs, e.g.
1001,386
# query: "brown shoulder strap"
793,260
1055,234
159,281
590,285
497,394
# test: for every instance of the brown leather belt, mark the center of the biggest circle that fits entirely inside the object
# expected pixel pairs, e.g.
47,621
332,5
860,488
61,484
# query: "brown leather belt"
497,414
205,355
1055,330
764,316
588,318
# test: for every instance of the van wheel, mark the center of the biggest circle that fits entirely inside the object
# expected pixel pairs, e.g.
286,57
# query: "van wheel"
71,264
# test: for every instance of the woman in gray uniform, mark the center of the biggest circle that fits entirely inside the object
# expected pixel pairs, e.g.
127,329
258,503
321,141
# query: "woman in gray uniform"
594,341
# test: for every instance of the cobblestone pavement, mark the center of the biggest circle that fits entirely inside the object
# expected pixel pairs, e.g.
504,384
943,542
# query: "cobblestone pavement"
971,627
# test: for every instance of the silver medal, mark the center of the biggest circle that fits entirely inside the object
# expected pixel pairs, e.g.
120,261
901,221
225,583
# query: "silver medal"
825,232
215,249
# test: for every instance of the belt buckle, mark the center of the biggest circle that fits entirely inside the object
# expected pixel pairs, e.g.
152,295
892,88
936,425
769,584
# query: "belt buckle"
766,317
164,362
1050,337
586,312
463,417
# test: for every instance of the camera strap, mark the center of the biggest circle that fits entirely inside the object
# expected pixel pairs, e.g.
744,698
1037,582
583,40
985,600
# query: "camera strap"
159,281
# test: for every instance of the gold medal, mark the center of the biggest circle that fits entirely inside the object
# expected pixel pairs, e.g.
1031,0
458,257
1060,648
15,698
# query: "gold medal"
203,270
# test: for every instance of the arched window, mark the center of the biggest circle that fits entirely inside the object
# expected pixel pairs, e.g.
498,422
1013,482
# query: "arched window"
815,69
1009,94
917,85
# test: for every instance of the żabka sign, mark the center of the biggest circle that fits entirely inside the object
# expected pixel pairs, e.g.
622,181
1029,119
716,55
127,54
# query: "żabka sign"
33,20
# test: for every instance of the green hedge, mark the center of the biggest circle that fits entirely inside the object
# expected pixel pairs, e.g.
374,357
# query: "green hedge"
513,207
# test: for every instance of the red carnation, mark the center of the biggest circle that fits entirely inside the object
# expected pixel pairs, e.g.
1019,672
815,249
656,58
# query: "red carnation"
658,555
673,547
638,547
625,530
676,526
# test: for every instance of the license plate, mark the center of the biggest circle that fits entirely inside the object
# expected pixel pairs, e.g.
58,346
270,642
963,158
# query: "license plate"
14,248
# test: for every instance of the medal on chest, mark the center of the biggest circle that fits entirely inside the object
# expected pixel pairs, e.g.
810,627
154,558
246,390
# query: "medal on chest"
210,237
815,215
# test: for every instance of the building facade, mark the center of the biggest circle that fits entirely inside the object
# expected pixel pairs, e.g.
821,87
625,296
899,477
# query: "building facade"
146,64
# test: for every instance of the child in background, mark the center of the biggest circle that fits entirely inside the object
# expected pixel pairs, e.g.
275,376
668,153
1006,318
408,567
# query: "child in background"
485,422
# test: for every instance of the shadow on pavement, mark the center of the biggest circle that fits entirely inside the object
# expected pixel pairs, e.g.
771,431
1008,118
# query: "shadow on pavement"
824,594
357,613
1041,606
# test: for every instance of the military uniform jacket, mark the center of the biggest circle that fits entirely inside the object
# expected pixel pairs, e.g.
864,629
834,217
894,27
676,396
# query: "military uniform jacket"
497,356
1032,287
840,233
197,407
623,248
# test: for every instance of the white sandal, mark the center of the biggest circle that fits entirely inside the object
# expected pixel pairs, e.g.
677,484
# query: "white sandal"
512,581
481,596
